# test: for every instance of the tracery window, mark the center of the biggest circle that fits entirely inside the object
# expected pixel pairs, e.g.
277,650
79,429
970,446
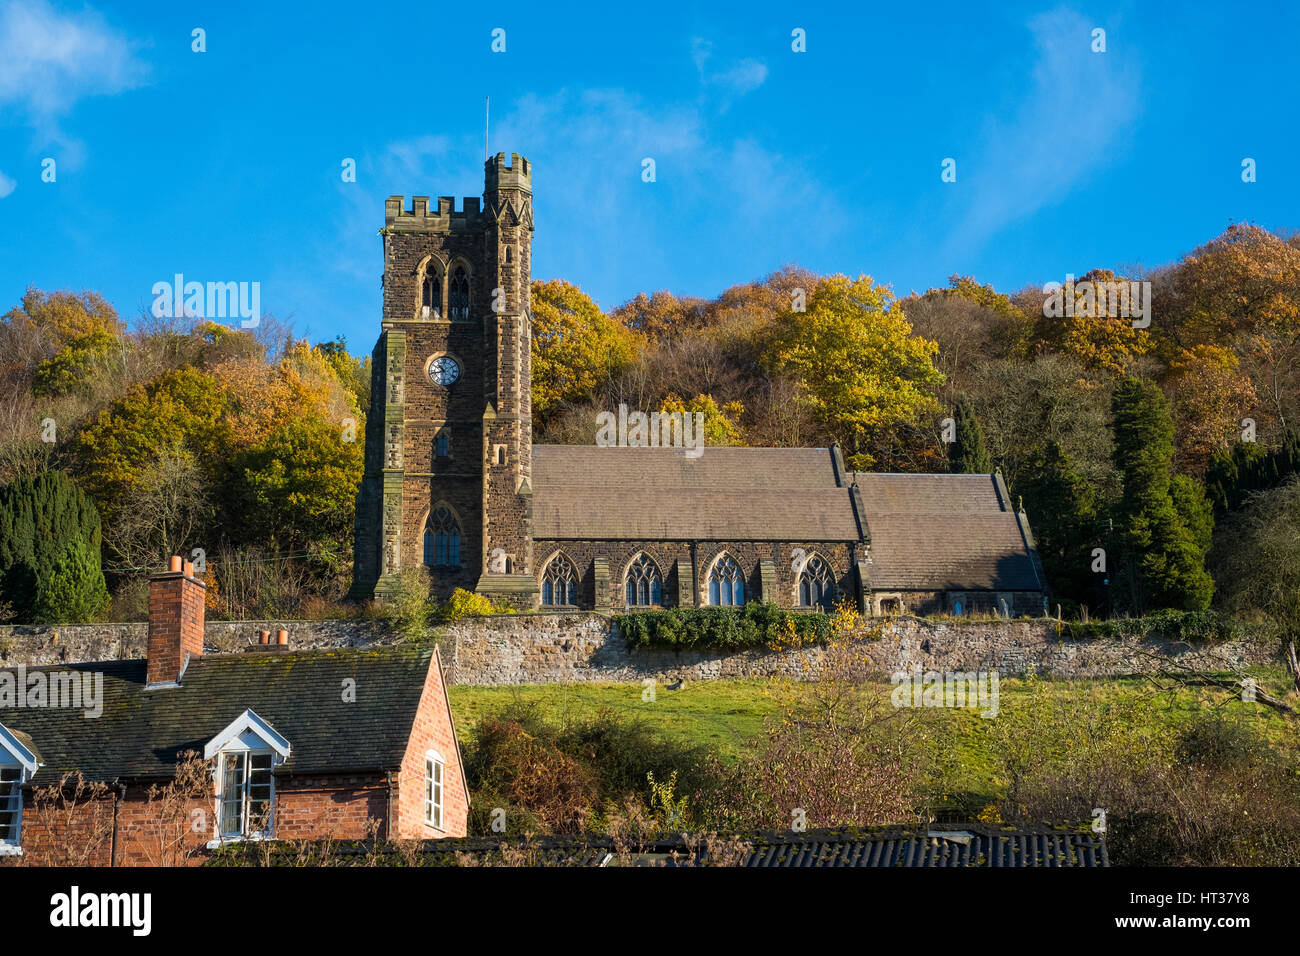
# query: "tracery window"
442,540
726,582
560,582
644,583
817,585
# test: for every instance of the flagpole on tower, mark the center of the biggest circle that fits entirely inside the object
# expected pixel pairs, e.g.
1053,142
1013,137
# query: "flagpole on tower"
487,105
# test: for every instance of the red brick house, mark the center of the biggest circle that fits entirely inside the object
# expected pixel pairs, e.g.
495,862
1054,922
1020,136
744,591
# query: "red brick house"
294,745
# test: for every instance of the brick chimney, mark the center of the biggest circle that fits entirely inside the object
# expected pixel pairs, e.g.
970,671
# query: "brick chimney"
175,621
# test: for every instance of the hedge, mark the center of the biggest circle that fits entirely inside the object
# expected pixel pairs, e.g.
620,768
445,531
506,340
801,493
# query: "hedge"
1201,626
755,625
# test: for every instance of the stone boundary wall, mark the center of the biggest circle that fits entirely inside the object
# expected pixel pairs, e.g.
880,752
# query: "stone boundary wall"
577,647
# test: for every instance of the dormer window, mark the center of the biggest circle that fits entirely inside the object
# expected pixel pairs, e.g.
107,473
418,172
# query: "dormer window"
458,294
18,763
245,787
245,756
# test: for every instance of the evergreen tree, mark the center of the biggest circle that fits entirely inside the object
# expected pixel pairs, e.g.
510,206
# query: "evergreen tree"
1234,475
40,518
73,590
1162,560
967,454
1063,514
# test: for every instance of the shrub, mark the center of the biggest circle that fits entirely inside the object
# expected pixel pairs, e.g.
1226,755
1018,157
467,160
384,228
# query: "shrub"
755,625
464,603
407,608
584,776
1199,626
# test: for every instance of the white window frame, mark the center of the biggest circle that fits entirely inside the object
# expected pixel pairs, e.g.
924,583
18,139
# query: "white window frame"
248,736
245,831
435,790
15,756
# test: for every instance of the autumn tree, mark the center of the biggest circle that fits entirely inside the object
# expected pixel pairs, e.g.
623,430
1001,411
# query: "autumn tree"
860,370
1099,340
576,347
299,484
1211,397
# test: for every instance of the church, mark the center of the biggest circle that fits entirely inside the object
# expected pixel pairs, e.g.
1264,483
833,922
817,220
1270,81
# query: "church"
454,483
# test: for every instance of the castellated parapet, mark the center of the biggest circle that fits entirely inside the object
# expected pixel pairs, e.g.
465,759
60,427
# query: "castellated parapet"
443,217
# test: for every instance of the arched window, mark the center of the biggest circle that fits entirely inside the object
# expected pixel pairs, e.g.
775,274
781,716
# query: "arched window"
560,582
443,444
442,540
431,293
458,294
726,583
817,585
645,584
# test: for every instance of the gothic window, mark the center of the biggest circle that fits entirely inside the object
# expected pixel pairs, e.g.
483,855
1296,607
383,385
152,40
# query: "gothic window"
644,583
458,294
443,444
817,585
560,582
442,540
431,294
726,583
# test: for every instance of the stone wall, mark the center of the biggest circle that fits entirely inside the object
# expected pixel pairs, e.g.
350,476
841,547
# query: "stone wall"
73,643
575,647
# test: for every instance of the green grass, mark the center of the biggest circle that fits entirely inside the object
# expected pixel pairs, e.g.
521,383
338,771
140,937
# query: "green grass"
723,715
726,715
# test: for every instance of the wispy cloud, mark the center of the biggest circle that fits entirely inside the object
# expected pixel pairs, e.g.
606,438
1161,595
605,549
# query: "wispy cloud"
51,60
7,185
599,223
734,79
1077,113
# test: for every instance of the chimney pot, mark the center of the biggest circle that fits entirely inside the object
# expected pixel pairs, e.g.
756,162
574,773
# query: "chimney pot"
188,567
264,637
175,564
282,636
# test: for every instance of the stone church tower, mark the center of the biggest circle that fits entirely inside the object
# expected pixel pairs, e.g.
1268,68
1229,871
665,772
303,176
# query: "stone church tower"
448,459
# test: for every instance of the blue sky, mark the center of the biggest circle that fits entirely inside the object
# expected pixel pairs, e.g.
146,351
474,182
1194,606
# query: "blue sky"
225,165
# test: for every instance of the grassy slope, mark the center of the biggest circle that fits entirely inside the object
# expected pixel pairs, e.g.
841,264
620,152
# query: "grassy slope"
726,715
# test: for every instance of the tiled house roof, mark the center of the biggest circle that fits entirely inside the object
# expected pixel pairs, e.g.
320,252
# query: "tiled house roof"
142,732
975,846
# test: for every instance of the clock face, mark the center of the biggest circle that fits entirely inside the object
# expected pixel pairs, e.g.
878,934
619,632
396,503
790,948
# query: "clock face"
444,370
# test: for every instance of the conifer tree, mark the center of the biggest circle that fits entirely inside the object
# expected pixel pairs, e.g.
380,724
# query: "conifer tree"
40,518
1162,557
967,454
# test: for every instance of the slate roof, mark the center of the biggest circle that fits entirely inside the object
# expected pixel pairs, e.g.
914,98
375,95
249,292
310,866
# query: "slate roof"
944,532
974,846
745,494
141,733
928,532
